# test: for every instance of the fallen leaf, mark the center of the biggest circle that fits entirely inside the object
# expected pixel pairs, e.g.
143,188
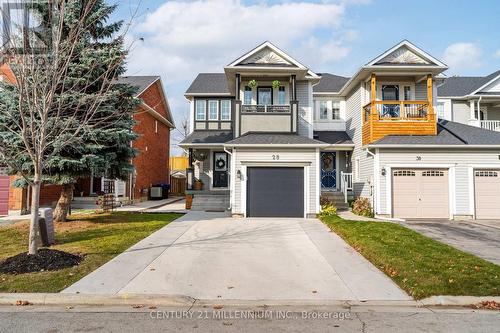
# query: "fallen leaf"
152,269
138,306
488,305
314,291
227,323
218,307
69,307
23,303
230,287
152,307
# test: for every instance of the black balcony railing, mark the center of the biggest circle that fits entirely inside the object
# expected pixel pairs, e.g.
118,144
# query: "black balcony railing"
265,108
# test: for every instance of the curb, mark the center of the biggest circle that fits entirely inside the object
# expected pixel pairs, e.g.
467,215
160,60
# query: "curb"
186,301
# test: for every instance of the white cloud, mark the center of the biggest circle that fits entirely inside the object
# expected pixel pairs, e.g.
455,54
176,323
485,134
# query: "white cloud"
463,56
497,54
184,38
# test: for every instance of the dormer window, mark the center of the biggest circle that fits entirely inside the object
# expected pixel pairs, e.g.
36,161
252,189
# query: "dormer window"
247,97
281,95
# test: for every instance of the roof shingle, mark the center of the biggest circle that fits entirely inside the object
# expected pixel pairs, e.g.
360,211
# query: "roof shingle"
209,83
463,85
139,82
216,137
273,139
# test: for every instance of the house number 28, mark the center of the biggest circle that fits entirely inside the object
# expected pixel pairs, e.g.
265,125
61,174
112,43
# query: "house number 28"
276,157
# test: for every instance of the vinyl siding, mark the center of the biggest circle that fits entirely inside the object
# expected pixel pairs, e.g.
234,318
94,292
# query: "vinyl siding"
493,113
354,129
461,111
304,96
285,155
462,159
421,91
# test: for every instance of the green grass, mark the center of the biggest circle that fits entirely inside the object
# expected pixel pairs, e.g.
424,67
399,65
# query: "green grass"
99,236
421,266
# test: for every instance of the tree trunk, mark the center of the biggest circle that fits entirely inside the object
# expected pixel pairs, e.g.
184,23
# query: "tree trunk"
62,207
35,204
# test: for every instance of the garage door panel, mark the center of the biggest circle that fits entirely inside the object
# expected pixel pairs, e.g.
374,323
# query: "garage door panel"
487,194
275,192
420,193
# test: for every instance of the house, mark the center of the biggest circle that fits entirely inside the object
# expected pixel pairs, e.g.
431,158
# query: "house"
151,166
269,136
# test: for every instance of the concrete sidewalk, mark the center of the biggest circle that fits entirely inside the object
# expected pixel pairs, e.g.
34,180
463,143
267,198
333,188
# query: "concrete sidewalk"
214,256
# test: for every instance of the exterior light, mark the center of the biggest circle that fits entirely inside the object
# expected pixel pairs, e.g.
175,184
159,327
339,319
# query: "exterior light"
383,171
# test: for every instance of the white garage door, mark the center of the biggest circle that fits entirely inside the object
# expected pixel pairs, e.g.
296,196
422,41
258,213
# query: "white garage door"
487,190
420,193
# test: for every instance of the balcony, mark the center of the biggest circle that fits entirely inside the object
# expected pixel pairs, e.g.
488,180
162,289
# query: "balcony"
492,125
265,108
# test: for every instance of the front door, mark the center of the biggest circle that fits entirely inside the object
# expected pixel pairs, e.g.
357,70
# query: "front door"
220,169
390,93
328,171
264,96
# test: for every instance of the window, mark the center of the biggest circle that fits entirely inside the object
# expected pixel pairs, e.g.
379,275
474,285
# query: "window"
486,174
213,110
440,110
201,113
247,97
323,110
390,93
281,95
264,96
225,109
404,173
335,110
433,173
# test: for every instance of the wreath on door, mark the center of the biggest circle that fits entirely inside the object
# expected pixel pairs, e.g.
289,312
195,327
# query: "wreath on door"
220,163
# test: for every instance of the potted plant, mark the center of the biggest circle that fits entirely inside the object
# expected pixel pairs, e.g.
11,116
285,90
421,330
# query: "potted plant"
252,83
276,84
198,184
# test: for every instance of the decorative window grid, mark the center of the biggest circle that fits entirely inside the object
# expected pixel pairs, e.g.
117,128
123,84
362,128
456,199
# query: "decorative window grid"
404,173
486,174
433,173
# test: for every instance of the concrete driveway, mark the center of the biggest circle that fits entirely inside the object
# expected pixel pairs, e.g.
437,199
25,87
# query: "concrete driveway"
481,239
213,256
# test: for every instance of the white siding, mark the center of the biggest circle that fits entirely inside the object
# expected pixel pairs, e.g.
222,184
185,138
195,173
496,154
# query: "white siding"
247,156
421,91
304,96
362,186
460,159
461,111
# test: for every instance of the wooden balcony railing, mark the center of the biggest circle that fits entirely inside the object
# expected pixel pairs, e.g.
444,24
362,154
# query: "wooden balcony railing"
265,108
397,110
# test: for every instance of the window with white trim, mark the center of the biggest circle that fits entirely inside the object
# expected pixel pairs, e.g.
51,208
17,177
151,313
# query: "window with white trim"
440,110
247,96
201,112
323,110
213,110
281,95
225,109
335,110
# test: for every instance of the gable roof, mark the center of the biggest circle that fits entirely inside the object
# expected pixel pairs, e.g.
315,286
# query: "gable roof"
210,84
405,54
279,139
449,134
207,137
458,86
333,137
141,83
330,83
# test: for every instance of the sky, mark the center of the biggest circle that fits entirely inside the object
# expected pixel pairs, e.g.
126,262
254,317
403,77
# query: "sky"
179,39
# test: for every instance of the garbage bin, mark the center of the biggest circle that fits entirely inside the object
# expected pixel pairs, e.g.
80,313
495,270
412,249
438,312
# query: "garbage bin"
46,226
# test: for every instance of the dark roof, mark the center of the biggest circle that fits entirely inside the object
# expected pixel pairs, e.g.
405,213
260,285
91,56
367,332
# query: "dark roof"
139,82
209,83
253,138
449,133
463,85
330,83
208,137
333,137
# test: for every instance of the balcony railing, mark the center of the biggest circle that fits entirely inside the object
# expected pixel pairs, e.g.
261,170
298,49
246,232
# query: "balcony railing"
398,110
346,183
492,125
265,108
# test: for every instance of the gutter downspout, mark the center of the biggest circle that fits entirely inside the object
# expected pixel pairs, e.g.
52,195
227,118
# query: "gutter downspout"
375,167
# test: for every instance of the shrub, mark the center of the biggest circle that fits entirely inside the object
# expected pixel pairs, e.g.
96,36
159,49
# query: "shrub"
325,201
328,210
362,207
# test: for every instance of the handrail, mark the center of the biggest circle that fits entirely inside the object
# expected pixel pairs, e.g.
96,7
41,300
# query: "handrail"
345,183
492,125
397,110
253,108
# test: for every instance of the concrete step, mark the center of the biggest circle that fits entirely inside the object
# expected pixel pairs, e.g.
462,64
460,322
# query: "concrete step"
210,202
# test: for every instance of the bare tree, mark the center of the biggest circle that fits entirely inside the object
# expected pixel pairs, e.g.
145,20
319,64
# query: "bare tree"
42,112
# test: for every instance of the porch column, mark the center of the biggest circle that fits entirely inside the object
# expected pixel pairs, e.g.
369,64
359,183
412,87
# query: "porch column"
294,88
238,87
190,171
430,98
472,110
373,93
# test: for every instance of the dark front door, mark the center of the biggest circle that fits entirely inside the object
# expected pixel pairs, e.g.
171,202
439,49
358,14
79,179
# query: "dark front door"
390,93
328,171
275,192
220,169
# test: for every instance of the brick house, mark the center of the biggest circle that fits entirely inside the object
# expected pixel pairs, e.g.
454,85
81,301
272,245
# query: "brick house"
154,123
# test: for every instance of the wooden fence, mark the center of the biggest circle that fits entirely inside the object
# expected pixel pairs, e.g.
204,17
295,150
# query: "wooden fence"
177,186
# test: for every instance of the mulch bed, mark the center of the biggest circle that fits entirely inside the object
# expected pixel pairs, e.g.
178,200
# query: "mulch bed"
45,260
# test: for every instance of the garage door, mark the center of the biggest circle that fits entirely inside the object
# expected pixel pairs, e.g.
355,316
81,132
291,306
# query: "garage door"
4,195
420,193
275,192
487,190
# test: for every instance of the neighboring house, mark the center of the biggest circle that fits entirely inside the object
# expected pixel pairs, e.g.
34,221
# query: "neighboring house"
272,136
154,123
471,100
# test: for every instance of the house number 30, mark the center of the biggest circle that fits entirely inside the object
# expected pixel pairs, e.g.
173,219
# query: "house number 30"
419,158
276,157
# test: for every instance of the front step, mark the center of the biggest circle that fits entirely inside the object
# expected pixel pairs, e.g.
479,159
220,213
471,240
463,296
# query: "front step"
337,199
210,202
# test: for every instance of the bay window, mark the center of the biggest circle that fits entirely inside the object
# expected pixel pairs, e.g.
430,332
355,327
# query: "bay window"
201,113
213,110
225,109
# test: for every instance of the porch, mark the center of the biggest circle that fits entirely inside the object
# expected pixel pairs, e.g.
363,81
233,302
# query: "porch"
336,177
485,113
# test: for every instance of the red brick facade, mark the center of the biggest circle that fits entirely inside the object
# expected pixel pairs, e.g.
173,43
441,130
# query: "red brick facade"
151,164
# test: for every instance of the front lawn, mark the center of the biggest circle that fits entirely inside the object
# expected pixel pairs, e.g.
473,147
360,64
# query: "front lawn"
99,236
421,266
